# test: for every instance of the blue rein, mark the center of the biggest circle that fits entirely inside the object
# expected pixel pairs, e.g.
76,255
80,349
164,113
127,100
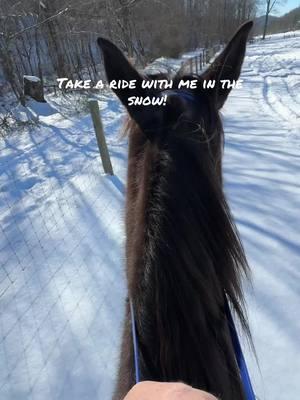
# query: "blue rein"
135,345
236,345
240,359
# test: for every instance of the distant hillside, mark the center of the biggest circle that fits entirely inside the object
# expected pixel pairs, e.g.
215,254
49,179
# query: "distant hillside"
287,22
259,23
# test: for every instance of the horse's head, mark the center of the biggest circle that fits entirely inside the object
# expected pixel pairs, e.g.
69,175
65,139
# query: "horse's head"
182,247
188,113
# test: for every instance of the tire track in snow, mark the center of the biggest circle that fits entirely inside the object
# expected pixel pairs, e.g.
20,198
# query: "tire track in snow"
279,75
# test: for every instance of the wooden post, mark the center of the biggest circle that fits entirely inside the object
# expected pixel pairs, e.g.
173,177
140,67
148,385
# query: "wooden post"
191,65
33,87
95,112
181,69
206,56
200,61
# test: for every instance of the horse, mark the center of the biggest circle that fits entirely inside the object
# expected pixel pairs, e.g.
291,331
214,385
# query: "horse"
184,257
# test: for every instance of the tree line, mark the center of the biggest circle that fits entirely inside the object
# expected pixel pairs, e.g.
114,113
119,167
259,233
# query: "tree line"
57,38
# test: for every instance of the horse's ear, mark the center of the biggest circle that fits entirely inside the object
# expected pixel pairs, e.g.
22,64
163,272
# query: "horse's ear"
118,68
228,63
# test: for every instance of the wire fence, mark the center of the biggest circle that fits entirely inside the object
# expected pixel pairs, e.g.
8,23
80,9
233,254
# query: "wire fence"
61,276
198,62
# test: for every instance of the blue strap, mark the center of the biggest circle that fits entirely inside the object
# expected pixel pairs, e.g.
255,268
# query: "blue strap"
135,344
239,356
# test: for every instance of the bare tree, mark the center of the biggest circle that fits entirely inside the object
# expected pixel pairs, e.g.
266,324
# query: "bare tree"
269,7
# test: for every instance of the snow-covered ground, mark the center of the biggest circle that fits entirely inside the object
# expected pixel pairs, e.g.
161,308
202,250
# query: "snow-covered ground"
262,175
61,237
61,256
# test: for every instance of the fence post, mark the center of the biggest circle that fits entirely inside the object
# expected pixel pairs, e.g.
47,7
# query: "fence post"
196,62
95,112
181,69
191,65
206,56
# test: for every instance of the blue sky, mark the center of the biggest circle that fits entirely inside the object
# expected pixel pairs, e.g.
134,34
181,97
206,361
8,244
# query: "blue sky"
282,7
286,6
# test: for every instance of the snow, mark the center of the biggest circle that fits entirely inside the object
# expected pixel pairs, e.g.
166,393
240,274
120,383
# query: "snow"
262,177
281,35
62,285
33,111
32,78
163,65
61,240
170,65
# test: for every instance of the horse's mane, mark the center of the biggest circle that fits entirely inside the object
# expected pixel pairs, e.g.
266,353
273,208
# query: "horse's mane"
183,256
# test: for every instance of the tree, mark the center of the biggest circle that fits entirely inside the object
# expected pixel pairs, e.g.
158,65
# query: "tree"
270,6
57,38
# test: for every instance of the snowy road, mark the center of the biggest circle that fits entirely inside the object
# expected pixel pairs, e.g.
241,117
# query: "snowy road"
61,239
262,174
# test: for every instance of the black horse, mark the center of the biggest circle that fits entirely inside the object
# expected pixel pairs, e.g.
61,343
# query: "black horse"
184,256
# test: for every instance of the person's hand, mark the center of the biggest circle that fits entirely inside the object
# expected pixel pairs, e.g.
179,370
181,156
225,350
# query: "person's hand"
166,391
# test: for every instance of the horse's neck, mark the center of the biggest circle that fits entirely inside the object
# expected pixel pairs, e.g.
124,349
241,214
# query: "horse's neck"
182,253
